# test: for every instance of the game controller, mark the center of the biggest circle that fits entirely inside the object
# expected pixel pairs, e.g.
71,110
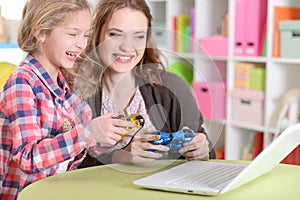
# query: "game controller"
136,119
174,140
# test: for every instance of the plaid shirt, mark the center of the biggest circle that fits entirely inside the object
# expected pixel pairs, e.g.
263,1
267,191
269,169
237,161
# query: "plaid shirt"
34,141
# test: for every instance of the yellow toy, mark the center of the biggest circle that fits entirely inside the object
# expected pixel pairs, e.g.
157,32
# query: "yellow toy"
5,70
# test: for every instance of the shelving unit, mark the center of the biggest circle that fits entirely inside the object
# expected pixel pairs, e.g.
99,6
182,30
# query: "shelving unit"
281,74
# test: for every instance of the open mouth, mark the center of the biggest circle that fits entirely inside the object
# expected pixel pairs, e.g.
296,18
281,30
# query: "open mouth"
123,57
71,54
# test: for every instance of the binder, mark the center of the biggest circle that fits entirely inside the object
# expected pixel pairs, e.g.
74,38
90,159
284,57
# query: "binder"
181,22
239,28
174,33
255,17
250,17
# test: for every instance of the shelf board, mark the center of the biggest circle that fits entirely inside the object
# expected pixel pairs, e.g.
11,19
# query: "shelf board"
254,59
212,57
248,126
286,60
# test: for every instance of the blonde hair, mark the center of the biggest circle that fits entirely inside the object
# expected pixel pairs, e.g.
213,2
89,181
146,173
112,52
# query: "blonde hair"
89,68
41,15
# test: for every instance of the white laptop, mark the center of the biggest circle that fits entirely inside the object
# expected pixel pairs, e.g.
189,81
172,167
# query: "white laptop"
215,178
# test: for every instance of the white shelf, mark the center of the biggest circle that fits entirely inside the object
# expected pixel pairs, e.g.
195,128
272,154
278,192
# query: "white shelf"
281,74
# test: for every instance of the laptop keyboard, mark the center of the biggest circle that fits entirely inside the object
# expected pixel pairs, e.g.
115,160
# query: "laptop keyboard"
214,176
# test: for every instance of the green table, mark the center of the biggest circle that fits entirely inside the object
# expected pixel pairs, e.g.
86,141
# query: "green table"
115,182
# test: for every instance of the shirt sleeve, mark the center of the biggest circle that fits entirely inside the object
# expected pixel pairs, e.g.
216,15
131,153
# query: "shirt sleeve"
33,149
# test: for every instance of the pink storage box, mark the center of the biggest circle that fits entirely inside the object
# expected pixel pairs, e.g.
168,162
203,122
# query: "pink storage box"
247,106
210,98
215,45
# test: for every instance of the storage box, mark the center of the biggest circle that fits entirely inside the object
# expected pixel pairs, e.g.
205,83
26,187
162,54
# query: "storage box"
215,45
211,98
247,106
241,74
290,39
257,78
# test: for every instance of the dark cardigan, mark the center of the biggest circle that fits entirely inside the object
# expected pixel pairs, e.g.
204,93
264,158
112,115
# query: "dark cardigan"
170,107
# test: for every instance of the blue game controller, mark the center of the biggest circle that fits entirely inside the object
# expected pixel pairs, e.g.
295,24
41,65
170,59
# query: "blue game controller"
174,140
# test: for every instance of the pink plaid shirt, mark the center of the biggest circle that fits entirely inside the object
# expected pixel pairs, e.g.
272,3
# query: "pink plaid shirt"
33,139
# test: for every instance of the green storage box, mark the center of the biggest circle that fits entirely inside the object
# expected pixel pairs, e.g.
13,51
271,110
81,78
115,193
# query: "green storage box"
289,39
183,69
257,78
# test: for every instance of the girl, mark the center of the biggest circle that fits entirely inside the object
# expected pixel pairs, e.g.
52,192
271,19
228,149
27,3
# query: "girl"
122,72
45,128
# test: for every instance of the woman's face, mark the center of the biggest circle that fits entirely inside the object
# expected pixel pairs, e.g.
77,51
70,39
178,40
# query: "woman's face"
124,40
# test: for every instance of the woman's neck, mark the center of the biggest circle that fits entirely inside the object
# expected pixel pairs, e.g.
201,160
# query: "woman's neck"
120,88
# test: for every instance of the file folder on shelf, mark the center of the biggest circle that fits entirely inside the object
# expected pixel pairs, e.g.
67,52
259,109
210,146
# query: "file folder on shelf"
250,17
239,30
255,19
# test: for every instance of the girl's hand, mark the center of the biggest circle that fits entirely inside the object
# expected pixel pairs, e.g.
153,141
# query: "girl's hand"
108,131
197,149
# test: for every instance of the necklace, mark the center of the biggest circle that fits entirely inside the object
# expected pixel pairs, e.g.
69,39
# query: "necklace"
67,126
68,122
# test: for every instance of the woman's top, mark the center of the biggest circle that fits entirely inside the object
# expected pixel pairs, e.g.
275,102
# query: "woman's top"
170,107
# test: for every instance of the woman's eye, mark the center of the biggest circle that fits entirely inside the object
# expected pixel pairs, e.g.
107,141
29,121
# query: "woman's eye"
140,37
115,35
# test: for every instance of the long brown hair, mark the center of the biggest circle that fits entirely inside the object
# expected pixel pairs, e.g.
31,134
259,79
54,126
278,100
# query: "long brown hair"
89,68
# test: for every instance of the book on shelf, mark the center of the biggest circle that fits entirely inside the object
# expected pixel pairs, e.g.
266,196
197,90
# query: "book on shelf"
293,158
187,39
182,21
254,147
183,26
263,41
174,41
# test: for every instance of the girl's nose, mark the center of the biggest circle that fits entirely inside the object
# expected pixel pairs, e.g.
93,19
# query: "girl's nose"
81,42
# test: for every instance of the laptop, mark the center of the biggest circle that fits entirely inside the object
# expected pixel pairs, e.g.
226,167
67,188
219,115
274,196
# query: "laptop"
215,177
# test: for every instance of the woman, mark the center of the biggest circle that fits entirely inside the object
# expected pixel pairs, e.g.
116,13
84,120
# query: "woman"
122,72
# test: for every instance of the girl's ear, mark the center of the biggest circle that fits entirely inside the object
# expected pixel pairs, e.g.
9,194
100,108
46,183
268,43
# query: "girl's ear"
40,36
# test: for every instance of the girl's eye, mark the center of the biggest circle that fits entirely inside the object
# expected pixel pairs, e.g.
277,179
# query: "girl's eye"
72,34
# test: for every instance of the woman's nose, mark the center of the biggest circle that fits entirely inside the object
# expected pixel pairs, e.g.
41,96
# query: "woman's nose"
127,44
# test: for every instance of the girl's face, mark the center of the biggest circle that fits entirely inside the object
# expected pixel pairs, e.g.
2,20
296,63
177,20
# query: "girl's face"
124,40
64,43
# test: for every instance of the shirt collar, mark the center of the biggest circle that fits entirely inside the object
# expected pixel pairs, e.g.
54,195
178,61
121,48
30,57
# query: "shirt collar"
58,90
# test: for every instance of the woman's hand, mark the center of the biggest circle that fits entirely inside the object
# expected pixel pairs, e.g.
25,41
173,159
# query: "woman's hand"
197,149
142,150
108,131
